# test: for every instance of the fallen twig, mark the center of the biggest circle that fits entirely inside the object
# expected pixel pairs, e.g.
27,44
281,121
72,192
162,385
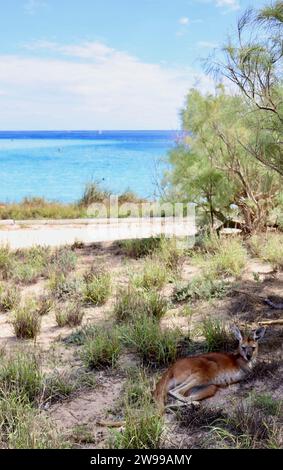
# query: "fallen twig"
271,322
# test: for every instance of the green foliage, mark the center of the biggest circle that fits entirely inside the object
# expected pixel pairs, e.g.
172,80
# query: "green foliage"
103,350
26,320
97,289
22,427
155,346
64,288
210,167
70,314
269,248
131,303
143,430
153,276
21,375
9,297
203,287
215,334
137,248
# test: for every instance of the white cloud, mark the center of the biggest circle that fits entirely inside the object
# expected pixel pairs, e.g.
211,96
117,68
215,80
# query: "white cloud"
184,20
105,89
231,4
31,6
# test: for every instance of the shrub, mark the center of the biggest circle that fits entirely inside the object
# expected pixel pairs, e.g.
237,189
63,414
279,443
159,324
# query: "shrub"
70,314
63,288
143,430
130,303
268,247
80,336
6,263
62,261
103,350
31,264
154,275
171,253
58,385
93,193
216,335
9,298
26,321
267,404
97,289
201,288
247,427
45,304
137,248
22,427
154,346
22,376
229,258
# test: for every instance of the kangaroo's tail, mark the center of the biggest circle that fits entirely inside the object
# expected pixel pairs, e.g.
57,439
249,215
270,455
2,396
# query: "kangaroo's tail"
161,389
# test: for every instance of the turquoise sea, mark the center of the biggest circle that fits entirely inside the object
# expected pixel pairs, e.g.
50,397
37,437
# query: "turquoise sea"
57,165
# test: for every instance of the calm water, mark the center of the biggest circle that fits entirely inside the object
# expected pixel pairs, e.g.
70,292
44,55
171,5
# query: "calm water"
57,165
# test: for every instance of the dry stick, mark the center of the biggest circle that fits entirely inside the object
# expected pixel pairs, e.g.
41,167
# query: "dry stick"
271,322
111,424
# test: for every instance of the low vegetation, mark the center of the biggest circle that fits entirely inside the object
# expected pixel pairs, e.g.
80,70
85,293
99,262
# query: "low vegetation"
156,347
26,321
97,288
103,349
69,314
131,303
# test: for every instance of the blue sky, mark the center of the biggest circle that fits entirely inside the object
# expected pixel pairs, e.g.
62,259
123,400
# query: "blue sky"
106,64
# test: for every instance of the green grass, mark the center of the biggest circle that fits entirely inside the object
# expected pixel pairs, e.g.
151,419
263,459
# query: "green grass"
6,263
154,275
69,314
138,248
9,297
225,256
23,427
38,208
45,304
156,347
143,430
131,303
268,247
267,404
62,260
21,374
103,349
144,426
202,287
63,287
26,320
97,289
215,334
247,427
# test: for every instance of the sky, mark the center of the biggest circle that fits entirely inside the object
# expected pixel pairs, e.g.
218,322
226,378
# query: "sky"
106,64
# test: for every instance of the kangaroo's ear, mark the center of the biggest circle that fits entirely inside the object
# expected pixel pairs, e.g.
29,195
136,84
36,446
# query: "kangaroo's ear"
236,332
259,333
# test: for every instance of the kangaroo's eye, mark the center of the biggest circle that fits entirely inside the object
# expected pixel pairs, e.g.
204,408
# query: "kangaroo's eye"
244,348
253,348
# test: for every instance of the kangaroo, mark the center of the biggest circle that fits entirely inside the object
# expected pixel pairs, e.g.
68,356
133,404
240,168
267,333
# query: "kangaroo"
194,378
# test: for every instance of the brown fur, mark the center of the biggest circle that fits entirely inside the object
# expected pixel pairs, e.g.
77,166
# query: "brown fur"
198,377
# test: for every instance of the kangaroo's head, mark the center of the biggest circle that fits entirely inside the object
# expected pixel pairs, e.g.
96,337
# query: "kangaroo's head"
248,344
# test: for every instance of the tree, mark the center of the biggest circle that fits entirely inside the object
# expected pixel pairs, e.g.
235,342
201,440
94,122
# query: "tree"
211,168
253,63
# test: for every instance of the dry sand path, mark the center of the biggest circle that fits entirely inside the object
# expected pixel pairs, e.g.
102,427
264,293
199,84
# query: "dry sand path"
24,234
